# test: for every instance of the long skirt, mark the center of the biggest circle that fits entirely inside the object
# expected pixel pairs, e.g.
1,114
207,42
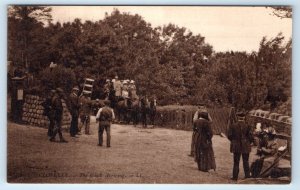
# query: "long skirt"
204,155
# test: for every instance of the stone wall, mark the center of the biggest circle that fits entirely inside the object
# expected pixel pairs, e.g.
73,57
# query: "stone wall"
33,112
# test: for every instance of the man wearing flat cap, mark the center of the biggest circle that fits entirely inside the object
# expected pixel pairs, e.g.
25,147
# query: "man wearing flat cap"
241,137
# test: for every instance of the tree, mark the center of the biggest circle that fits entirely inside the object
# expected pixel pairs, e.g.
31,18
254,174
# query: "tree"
185,53
232,80
56,77
282,11
25,29
170,61
274,57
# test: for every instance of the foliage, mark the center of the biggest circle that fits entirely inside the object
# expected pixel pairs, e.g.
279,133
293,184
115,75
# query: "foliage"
170,62
58,77
26,35
282,11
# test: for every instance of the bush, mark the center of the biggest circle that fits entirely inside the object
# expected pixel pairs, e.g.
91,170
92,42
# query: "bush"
57,77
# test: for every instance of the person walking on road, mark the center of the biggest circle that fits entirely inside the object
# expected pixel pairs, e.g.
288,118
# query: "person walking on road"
58,113
241,137
105,116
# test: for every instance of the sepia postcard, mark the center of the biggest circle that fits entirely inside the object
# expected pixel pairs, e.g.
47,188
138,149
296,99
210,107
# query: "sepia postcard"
149,94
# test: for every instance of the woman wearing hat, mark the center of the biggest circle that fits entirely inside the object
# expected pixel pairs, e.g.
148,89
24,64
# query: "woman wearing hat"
201,108
204,154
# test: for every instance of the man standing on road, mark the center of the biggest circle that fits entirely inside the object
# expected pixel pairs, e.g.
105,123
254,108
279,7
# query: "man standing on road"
105,116
85,112
74,109
58,113
240,136
201,109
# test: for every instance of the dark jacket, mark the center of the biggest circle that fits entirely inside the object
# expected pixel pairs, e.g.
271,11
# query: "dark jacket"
57,107
240,136
74,104
204,154
47,105
202,126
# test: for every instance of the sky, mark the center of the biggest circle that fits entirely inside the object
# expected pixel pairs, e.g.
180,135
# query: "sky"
225,28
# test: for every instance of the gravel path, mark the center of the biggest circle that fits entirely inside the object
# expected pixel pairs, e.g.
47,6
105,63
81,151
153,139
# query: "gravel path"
137,155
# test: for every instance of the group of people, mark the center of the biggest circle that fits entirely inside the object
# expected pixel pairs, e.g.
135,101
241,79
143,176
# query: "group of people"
127,104
80,108
122,88
240,134
241,137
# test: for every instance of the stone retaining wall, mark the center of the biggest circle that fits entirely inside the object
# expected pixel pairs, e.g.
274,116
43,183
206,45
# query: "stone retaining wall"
33,112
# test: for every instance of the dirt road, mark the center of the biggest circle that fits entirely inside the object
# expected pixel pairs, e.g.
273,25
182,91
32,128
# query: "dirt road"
137,155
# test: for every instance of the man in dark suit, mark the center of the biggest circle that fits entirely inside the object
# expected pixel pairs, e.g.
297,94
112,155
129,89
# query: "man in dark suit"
240,136
74,110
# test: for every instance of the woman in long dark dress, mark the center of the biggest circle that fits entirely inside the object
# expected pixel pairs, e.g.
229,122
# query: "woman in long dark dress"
204,154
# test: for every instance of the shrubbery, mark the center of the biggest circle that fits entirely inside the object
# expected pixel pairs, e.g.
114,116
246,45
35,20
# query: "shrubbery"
58,77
